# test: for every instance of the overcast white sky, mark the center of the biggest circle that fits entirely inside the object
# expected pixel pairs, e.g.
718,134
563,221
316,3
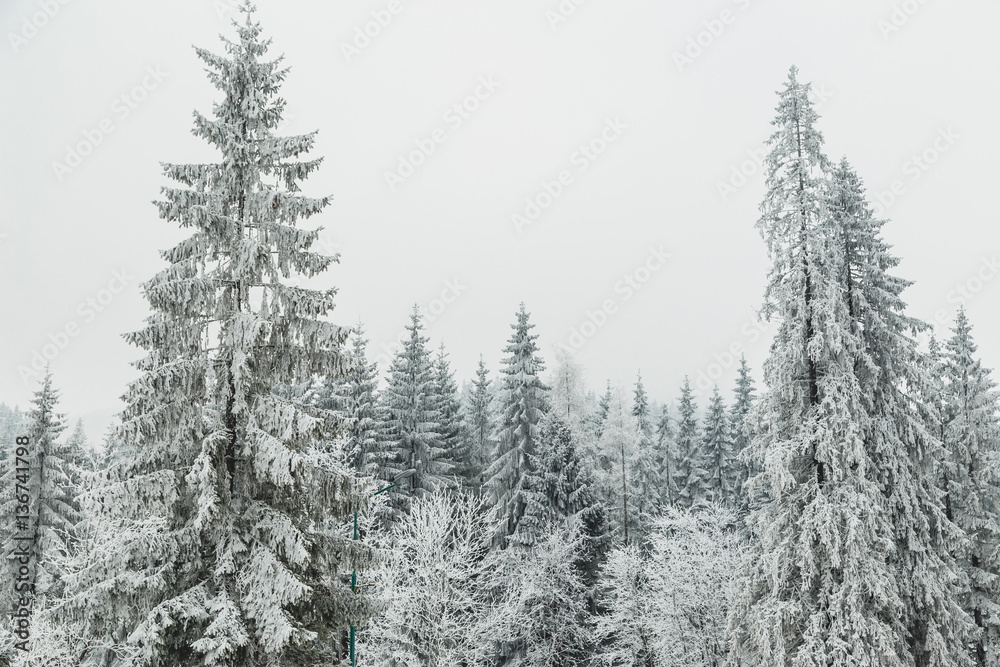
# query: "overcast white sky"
895,80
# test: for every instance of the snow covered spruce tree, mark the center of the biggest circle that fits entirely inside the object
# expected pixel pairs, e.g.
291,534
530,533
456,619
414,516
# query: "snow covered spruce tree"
601,413
640,408
10,427
644,472
719,455
233,559
666,458
523,403
50,494
691,469
741,430
906,455
819,587
356,398
81,457
569,400
479,425
971,481
410,420
558,490
449,410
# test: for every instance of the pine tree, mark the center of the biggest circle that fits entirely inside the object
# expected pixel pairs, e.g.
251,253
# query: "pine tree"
818,588
972,482
742,431
601,414
905,453
220,546
619,449
559,490
523,403
52,515
691,470
411,436
717,444
357,398
449,408
666,457
644,470
568,396
479,426
80,453
640,409
35,485
10,427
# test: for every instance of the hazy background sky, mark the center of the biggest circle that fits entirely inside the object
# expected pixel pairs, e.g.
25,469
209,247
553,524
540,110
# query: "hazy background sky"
892,78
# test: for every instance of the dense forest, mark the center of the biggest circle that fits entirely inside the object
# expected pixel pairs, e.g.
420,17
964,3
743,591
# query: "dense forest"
270,496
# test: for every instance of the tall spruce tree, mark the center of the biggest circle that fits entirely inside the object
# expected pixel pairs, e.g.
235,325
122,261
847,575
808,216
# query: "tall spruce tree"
666,457
818,588
560,492
644,468
892,384
741,430
640,408
449,409
691,470
523,403
479,426
411,427
619,486
11,427
356,397
601,414
232,558
47,487
569,400
718,447
971,474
